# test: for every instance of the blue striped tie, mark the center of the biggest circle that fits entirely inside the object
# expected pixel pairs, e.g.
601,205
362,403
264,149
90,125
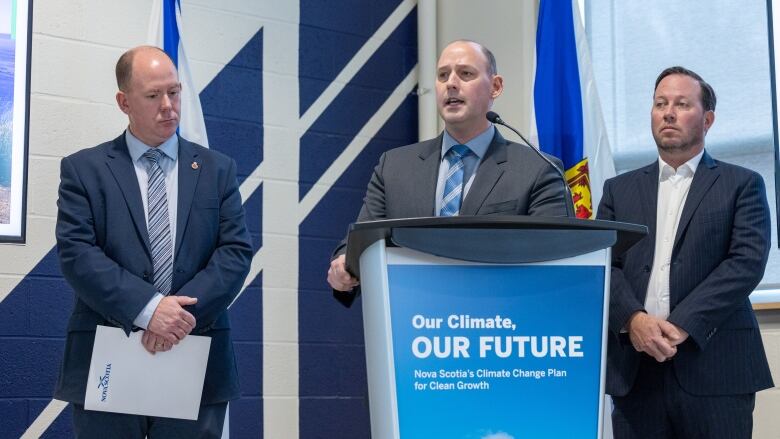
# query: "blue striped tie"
453,186
159,225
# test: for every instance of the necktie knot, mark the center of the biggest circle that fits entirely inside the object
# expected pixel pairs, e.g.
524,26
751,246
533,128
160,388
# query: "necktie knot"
457,152
153,155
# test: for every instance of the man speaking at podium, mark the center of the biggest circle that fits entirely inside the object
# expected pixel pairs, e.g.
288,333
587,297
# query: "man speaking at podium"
151,234
685,355
470,169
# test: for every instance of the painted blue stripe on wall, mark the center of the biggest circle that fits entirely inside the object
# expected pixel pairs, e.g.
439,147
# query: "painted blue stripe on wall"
233,107
33,317
557,96
246,413
233,110
33,320
330,33
357,102
331,355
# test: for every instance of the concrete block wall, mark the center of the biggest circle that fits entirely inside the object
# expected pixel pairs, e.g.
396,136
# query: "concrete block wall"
71,107
331,356
305,96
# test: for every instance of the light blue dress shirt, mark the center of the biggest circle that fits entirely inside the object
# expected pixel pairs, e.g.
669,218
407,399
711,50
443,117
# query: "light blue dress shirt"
478,146
168,162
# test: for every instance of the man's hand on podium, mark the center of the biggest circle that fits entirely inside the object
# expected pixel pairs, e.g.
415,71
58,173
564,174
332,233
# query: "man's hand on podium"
338,276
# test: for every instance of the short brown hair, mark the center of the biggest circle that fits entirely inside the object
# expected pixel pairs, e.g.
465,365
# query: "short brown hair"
708,98
124,66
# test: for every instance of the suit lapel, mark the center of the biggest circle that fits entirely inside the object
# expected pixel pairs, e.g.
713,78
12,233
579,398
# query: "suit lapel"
488,173
121,166
425,175
188,180
706,174
648,191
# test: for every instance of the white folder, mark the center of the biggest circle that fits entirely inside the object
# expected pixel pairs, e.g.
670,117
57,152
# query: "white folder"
125,378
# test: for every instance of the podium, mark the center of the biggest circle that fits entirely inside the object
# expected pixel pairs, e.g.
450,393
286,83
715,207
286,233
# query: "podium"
486,327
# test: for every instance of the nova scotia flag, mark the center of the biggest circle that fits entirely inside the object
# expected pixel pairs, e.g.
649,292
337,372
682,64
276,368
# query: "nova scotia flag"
167,32
566,108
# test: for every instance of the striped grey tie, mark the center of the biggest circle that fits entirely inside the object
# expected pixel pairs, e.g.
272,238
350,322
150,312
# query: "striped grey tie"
159,225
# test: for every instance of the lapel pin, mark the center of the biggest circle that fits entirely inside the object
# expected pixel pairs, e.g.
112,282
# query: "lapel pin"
194,165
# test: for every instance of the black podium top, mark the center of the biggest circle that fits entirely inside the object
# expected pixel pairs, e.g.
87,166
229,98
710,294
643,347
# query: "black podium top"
494,239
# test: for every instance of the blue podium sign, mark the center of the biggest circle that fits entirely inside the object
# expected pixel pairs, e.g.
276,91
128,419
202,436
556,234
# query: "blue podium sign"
497,351
510,346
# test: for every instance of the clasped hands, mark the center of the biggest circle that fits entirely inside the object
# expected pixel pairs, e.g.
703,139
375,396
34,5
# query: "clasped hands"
169,324
656,337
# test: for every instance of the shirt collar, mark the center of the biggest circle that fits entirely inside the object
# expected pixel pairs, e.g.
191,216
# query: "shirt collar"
478,145
137,148
686,169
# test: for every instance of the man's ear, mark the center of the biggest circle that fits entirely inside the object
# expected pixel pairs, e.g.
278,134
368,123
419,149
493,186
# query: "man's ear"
121,101
709,119
497,86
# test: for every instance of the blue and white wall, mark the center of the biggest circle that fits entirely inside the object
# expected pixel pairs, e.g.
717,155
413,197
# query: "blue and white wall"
305,95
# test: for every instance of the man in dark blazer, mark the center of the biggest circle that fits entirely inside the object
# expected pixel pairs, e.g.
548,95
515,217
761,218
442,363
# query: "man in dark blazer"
171,278
685,355
499,177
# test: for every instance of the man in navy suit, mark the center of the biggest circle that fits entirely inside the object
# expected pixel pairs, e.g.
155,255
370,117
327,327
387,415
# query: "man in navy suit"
685,355
151,235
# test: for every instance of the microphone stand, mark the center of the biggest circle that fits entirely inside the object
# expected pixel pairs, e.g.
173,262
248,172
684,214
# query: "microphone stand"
493,117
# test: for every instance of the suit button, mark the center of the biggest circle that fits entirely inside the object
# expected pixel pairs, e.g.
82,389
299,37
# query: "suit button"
646,268
146,275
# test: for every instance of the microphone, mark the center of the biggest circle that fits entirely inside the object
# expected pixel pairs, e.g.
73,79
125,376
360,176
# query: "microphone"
493,117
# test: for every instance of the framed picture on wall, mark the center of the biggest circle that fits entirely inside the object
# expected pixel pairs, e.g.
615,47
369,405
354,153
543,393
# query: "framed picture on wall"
15,39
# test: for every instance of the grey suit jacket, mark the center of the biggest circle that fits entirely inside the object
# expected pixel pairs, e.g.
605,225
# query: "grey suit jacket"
511,180
719,254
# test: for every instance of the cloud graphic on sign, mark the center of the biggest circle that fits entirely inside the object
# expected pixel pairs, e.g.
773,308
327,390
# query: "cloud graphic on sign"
499,435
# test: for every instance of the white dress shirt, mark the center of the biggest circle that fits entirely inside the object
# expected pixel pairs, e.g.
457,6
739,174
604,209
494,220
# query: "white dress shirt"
673,188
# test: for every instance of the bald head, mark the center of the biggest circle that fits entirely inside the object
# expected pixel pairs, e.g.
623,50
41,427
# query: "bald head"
124,66
149,93
490,59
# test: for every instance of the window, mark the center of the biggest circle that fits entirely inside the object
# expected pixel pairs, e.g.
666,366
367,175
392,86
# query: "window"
726,43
